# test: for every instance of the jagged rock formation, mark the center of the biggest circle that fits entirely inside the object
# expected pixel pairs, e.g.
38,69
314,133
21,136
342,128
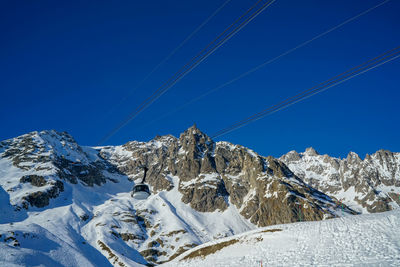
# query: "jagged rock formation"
369,185
201,190
214,175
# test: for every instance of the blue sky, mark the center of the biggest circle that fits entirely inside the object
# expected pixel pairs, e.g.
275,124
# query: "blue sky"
66,65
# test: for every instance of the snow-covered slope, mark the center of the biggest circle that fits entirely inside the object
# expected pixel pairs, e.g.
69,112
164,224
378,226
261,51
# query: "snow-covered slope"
362,240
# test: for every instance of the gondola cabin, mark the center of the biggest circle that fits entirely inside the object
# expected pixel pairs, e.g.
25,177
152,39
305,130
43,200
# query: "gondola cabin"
141,191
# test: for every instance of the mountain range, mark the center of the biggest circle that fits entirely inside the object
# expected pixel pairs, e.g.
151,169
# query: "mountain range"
69,205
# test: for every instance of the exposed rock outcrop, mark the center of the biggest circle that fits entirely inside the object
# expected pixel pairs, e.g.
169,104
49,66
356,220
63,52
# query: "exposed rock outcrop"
41,199
34,180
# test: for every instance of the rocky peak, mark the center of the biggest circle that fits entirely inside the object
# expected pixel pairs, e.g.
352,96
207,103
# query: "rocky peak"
311,152
196,149
291,156
384,156
166,139
278,168
353,158
195,141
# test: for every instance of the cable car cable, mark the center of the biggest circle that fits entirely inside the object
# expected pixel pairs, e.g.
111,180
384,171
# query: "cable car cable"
283,104
191,65
328,82
265,64
173,52
179,75
347,75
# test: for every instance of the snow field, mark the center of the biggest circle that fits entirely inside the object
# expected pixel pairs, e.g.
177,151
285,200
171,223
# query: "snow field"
363,240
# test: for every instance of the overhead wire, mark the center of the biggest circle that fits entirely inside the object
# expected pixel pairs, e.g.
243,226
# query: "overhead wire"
192,34
336,80
184,70
173,52
265,63
312,89
190,65
305,94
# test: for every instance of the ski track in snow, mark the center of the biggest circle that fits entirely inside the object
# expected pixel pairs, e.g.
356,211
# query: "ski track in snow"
363,240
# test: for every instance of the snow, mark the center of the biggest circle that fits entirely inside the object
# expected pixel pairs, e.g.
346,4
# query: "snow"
230,146
55,143
268,194
64,229
234,177
117,153
363,240
182,151
10,180
202,179
39,247
156,143
171,214
349,197
252,153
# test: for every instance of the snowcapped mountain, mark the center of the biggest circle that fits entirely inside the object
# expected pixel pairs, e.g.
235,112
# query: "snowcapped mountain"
68,205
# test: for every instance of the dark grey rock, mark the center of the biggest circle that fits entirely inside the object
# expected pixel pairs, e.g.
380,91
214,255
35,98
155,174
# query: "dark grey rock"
41,199
35,180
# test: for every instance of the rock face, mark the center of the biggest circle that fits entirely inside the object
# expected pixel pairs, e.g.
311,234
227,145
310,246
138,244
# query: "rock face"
213,176
369,185
35,180
201,189
41,199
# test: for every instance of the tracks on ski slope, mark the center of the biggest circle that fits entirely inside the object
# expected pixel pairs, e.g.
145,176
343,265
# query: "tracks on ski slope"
358,240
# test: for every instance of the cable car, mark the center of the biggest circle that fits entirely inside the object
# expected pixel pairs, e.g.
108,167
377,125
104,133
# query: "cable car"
141,190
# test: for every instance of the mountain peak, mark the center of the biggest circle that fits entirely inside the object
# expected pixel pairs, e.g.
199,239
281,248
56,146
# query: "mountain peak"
193,133
194,130
384,152
291,156
311,152
353,157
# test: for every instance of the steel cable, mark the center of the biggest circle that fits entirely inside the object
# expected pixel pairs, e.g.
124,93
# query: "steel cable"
266,63
338,79
171,54
191,65
328,82
303,96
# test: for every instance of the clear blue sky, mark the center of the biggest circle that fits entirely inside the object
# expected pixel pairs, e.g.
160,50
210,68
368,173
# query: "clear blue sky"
66,65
